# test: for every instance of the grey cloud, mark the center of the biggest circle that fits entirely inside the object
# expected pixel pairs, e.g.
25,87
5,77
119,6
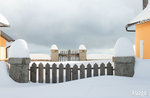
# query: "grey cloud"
69,23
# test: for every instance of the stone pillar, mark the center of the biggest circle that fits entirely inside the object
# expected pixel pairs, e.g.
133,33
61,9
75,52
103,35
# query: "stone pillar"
19,69
82,53
54,53
124,66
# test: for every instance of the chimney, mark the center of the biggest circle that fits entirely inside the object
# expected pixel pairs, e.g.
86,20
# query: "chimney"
145,3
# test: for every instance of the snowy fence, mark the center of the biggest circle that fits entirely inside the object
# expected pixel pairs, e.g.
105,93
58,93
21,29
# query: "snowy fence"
54,74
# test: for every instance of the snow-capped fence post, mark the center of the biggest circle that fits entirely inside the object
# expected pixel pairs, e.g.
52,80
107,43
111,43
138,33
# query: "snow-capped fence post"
54,53
82,53
19,61
124,59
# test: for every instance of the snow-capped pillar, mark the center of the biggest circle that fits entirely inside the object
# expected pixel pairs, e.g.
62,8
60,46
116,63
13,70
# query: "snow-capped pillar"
54,53
124,59
82,53
19,61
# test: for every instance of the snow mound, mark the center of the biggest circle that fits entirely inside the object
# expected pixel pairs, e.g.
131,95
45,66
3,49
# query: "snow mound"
124,47
3,21
82,47
19,49
54,47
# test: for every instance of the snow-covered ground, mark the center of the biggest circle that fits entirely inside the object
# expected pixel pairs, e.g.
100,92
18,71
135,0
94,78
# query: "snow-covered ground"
97,87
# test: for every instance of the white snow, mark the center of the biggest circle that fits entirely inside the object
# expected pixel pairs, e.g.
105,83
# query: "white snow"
123,47
19,49
82,47
54,47
143,16
3,21
40,56
99,56
96,87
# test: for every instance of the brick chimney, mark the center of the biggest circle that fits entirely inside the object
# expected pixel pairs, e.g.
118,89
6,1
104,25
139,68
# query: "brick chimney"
145,3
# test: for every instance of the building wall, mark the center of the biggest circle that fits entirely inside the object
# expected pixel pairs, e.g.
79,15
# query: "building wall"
2,44
143,33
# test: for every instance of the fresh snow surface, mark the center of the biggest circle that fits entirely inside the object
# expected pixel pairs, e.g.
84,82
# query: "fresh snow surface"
123,47
99,56
19,49
3,21
54,47
82,47
144,15
96,87
40,56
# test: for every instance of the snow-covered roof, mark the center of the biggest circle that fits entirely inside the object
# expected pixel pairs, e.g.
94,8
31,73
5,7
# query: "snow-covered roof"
82,47
54,47
3,21
144,16
5,36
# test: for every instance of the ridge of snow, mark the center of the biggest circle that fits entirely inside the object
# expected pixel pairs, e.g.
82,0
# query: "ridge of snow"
82,47
54,47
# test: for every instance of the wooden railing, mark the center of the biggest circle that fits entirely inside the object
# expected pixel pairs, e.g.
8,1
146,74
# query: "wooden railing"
61,73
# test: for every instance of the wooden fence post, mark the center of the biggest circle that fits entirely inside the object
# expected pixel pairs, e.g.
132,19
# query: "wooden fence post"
40,73
68,72
82,71
102,67
47,73
75,72
33,73
54,73
89,70
109,69
95,69
61,73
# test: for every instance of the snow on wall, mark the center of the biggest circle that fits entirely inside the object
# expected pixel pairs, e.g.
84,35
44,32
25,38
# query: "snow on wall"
123,47
54,47
19,49
82,47
3,20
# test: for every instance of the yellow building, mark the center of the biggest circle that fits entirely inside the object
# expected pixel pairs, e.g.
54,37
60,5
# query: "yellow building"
5,41
142,29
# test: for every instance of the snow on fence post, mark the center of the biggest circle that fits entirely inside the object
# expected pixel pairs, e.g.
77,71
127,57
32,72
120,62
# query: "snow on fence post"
19,61
124,59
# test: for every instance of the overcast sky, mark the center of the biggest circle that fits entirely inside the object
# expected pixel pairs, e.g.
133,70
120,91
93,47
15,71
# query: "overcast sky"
68,23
